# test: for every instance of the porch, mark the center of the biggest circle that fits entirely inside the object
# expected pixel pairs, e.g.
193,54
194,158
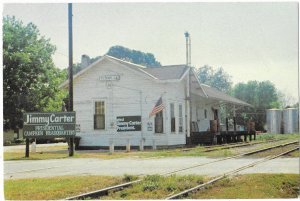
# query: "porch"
207,129
208,138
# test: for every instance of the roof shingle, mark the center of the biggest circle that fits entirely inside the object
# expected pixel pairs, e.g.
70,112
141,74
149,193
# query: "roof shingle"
216,94
167,72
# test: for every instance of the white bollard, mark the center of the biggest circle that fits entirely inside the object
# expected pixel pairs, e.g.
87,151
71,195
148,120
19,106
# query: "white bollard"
33,147
128,146
153,144
111,147
142,145
215,140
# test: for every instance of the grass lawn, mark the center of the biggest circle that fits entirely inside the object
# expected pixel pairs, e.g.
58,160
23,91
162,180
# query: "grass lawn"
56,187
153,187
252,186
268,136
156,187
44,155
57,152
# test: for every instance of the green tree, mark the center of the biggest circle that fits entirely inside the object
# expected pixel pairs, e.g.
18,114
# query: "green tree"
30,80
218,78
261,95
286,100
133,56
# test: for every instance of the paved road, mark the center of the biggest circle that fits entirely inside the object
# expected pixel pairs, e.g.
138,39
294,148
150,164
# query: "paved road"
119,167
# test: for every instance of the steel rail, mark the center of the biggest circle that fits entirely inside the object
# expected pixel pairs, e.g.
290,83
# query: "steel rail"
102,191
201,186
239,145
125,185
268,148
228,145
231,157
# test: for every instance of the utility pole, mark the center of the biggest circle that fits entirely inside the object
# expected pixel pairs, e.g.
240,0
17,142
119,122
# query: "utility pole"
188,91
71,139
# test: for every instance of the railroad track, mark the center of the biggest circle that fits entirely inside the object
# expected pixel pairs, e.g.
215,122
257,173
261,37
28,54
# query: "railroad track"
238,143
232,157
105,191
226,146
202,186
234,145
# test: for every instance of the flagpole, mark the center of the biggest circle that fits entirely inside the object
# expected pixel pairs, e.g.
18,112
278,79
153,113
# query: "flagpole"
142,134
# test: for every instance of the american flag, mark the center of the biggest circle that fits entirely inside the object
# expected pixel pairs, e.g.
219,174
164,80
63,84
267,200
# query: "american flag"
159,106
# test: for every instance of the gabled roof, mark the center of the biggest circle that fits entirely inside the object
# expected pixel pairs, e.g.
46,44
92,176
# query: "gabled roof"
214,93
171,72
164,73
133,66
167,72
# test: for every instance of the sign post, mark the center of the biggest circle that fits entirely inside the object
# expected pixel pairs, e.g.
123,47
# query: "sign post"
27,148
48,125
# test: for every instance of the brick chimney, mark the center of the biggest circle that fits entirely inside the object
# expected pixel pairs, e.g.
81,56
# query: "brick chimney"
85,61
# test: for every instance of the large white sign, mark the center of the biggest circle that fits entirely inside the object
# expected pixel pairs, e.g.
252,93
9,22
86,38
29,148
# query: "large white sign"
49,124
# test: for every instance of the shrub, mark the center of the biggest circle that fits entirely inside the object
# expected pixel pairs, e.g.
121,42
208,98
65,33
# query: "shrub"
123,194
150,186
153,178
128,178
170,187
18,141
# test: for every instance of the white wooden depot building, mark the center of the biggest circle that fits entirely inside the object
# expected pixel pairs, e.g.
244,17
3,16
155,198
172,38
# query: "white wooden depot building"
113,99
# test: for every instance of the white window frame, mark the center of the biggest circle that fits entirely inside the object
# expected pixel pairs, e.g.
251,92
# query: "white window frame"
105,114
170,121
180,117
163,123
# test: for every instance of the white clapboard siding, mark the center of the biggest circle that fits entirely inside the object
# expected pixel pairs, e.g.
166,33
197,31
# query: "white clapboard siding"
124,98
198,115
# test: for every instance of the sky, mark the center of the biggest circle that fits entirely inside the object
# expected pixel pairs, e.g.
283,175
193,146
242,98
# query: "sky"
250,41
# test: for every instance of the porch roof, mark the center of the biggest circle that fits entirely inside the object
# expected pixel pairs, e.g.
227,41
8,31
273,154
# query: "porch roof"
213,93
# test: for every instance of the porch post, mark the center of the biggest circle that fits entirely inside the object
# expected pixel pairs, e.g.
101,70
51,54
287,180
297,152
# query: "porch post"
188,110
227,125
234,120
234,123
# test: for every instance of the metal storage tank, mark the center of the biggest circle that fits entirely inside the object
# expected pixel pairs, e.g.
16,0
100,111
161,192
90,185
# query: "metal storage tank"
274,120
290,121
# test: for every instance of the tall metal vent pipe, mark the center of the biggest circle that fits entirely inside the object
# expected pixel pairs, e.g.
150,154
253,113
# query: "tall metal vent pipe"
188,48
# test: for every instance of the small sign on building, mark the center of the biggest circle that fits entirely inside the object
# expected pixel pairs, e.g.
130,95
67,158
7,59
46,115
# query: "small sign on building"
149,126
129,123
109,77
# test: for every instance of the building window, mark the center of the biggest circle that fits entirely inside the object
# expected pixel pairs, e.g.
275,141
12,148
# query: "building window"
180,118
172,117
205,113
99,116
159,123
